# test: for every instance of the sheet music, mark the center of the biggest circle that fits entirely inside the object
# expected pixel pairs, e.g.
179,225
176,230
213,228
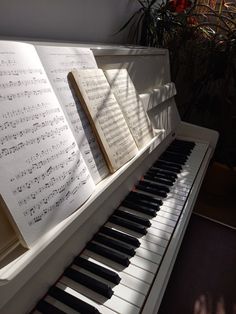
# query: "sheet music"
131,105
43,175
107,116
58,62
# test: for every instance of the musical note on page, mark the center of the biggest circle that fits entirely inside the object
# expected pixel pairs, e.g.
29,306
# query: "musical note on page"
44,176
59,62
131,105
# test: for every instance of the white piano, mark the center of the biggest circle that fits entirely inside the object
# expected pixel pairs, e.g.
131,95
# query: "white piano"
27,275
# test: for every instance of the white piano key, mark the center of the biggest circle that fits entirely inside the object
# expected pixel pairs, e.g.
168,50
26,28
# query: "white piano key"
179,191
131,270
165,220
114,303
153,247
171,209
177,197
170,202
149,255
65,286
169,215
156,227
134,283
144,264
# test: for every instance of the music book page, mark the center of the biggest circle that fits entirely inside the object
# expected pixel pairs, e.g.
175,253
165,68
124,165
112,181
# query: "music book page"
131,105
43,175
105,116
58,62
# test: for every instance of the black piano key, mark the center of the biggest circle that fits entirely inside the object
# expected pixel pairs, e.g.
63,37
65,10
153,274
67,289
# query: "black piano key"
161,175
155,185
70,300
174,158
46,308
166,167
158,179
167,173
120,236
144,198
151,190
165,163
108,253
114,244
140,220
128,224
139,207
97,270
89,282
183,142
181,151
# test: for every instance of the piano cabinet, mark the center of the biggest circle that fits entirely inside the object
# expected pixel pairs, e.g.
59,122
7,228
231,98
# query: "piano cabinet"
26,275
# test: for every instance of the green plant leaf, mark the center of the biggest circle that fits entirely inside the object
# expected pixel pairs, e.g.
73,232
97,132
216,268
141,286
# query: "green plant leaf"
129,20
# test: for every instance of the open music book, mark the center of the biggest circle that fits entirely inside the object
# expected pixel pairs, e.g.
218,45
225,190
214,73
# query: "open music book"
49,158
115,112
131,105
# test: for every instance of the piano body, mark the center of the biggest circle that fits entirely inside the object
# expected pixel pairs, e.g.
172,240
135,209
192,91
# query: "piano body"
26,275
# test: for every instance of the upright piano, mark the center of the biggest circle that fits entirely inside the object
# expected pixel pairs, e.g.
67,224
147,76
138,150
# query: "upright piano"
139,230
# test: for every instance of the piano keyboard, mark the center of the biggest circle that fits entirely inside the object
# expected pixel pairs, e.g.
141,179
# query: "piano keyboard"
114,273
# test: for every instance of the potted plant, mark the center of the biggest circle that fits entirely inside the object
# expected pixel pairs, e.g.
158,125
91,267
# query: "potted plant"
201,39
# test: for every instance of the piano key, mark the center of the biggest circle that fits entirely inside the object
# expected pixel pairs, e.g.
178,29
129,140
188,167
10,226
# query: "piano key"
115,244
154,247
100,308
158,179
131,270
145,263
115,303
170,215
96,269
134,195
167,174
72,301
140,208
151,237
128,224
149,255
120,236
58,305
138,260
89,282
127,293
154,185
112,255
165,220
150,190
126,279
132,217
163,166
170,205
46,308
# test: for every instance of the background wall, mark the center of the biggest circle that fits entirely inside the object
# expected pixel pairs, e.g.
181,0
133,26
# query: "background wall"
80,20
